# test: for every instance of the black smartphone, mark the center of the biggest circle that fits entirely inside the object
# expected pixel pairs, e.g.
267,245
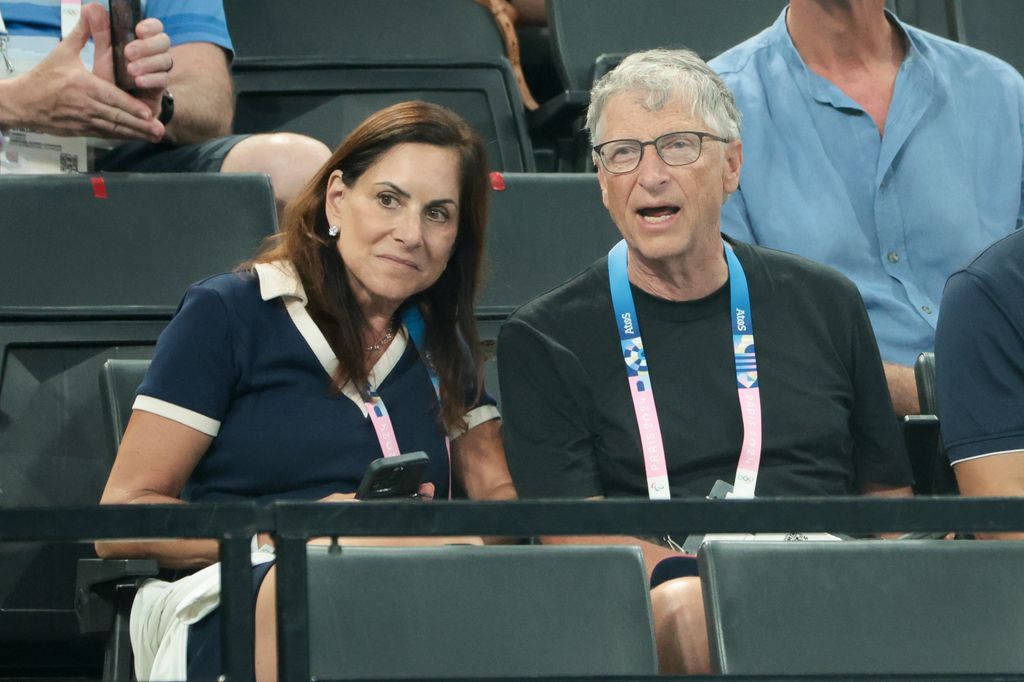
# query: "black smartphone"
393,477
124,17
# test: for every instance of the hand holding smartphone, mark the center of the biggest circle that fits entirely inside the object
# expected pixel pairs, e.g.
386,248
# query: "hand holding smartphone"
393,477
124,17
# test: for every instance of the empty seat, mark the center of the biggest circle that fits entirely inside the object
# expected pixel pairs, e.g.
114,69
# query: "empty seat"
583,30
544,228
91,269
864,607
992,26
321,67
934,16
590,37
119,382
478,612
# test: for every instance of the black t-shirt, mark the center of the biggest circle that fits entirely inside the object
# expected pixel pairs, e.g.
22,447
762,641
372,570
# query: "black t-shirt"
828,422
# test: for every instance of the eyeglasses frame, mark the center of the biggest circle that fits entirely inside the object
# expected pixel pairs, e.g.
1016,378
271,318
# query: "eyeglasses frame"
654,143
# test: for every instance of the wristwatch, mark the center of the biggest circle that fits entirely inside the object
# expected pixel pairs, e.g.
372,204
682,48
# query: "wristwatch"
166,108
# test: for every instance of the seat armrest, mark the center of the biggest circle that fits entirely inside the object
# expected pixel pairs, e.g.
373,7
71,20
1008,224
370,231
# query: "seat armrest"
99,585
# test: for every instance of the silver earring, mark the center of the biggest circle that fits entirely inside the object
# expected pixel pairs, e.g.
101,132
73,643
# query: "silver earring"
333,231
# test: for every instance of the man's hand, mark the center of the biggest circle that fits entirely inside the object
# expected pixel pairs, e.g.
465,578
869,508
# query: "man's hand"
149,60
60,96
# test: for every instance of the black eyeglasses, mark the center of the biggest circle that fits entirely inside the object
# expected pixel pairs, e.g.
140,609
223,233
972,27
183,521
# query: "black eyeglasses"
675,149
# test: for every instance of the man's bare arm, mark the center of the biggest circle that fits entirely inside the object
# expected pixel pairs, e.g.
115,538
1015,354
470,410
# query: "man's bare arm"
902,388
203,98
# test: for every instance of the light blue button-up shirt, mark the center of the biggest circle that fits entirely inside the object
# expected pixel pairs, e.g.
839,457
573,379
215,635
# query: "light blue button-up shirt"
897,213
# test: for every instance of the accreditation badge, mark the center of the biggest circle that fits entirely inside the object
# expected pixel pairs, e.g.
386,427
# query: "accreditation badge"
25,152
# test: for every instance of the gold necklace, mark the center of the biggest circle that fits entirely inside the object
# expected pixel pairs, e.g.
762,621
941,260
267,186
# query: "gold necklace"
382,341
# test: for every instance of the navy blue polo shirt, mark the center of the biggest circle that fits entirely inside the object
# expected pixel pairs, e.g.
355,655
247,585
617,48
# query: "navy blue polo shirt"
243,361
979,354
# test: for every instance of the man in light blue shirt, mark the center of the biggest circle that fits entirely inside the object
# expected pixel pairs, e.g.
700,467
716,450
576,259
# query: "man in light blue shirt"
881,150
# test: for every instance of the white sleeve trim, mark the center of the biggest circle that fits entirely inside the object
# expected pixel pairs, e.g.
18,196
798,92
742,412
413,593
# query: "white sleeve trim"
476,417
988,454
199,422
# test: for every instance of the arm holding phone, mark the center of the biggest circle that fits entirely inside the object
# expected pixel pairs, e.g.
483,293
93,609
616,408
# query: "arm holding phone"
60,96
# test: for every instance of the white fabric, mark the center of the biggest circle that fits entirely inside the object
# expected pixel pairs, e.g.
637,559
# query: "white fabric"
279,279
161,614
199,422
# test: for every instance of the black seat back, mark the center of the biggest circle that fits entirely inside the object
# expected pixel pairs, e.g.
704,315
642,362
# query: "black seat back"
544,228
924,607
90,271
322,69
476,612
119,382
924,376
583,30
992,26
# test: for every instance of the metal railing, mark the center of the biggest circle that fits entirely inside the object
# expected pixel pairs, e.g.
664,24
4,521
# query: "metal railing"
293,523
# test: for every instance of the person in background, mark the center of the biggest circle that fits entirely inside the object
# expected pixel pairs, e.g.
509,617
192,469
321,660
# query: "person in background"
684,396
178,118
881,150
351,329
979,363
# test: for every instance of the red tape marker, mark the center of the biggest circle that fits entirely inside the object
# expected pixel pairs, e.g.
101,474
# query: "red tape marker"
99,188
497,182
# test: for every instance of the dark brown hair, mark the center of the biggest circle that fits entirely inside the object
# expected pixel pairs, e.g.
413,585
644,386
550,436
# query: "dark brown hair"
447,306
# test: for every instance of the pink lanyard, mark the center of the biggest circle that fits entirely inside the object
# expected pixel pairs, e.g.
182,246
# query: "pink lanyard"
642,390
378,411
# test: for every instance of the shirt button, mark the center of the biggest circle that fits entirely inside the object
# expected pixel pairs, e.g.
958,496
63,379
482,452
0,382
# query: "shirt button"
926,309
893,257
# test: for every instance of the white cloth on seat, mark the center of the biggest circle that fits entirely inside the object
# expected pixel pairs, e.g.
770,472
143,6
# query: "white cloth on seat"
161,614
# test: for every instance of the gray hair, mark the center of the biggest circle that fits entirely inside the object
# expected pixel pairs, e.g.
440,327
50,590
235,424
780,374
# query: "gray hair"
665,75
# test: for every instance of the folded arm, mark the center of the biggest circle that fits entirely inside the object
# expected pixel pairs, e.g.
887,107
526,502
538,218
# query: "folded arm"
155,459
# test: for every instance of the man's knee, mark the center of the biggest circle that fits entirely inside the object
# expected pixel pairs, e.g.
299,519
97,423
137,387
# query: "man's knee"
678,612
289,159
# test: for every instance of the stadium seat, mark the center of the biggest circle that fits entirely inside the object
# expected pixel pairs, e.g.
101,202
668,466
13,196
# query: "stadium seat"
544,228
91,269
476,612
992,26
119,382
321,67
932,473
924,375
934,16
589,35
864,607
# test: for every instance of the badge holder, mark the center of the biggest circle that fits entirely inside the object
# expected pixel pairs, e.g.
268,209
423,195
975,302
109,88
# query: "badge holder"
719,491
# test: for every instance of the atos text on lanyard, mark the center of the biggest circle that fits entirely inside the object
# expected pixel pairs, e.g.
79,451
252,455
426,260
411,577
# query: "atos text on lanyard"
642,389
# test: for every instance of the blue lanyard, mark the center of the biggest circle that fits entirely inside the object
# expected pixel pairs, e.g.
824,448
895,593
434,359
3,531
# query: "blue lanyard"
642,390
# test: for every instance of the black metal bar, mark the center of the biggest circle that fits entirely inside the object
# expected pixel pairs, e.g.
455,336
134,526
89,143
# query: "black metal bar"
111,522
526,517
643,517
237,603
292,609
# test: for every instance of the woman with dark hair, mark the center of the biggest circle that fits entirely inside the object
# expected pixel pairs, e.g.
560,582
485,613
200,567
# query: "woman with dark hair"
349,336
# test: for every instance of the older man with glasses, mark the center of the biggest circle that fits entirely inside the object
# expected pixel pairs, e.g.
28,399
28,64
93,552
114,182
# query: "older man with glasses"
644,376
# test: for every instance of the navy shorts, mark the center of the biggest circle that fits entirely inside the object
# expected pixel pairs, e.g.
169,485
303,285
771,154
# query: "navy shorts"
204,660
673,567
144,157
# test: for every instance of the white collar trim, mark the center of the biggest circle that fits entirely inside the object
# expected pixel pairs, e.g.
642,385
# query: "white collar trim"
278,279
